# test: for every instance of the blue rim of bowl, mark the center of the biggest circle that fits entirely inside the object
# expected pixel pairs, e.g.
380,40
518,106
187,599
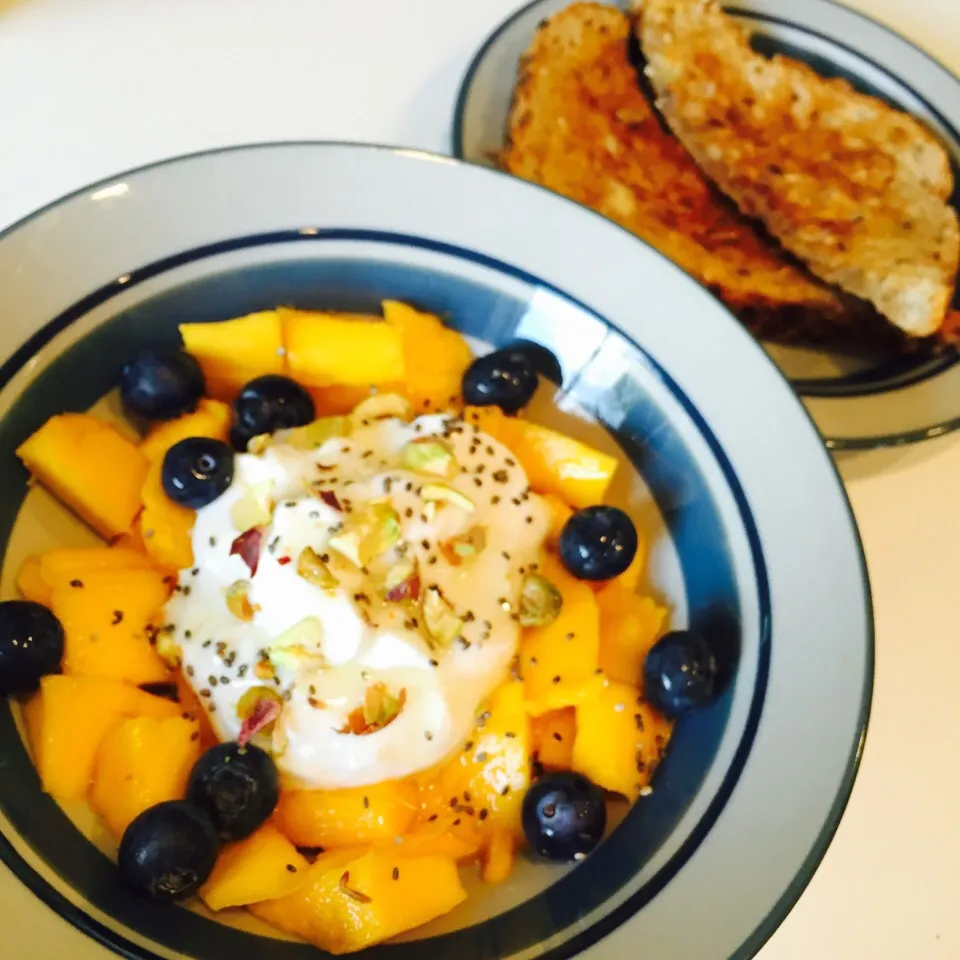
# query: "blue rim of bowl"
814,386
604,926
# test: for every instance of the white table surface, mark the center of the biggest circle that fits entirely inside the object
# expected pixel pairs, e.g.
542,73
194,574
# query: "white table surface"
91,87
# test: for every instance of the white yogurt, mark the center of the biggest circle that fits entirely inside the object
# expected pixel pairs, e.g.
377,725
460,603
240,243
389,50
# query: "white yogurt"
364,640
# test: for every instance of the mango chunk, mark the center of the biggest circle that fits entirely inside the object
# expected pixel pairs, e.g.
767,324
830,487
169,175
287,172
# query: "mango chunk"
337,401
166,527
344,818
325,349
88,465
620,740
68,719
435,358
559,661
142,762
263,866
560,513
31,584
105,616
344,908
499,856
485,781
58,567
552,736
234,352
210,419
629,627
554,463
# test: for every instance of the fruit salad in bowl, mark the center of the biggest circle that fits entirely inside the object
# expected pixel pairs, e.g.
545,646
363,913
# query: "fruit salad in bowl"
380,626
387,575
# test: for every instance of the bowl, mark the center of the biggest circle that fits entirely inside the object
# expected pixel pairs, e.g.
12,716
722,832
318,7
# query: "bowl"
860,399
752,539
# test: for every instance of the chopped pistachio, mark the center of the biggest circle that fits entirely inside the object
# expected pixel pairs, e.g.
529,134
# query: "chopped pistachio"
380,706
429,455
168,649
441,624
254,508
540,601
248,703
315,571
383,406
402,581
442,493
314,435
368,533
297,643
467,545
238,600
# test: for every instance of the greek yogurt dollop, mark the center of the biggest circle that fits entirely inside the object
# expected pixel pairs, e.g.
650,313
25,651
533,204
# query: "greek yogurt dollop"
322,643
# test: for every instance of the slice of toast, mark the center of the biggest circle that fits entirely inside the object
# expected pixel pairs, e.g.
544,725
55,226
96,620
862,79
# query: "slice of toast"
581,126
855,189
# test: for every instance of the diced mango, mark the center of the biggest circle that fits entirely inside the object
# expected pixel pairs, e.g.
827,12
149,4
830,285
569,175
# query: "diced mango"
142,762
554,463
558,661
68,719
210,419
337,401
488,777
345,908
560,513
499,856
191,706
58,567
31,584
325,349
233,352
629,627
264,866
449,835
105,616
435,357
553,734
165,526
620,740
343,818
88,465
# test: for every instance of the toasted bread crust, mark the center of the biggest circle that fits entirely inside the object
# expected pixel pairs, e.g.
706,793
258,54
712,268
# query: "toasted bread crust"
852,187
581,126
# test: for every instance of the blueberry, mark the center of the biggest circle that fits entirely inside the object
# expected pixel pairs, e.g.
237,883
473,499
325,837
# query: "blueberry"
196,471
543,360
161,384
168,851
268,404
564,815
679,673
31,645
598,543
238,786
505,378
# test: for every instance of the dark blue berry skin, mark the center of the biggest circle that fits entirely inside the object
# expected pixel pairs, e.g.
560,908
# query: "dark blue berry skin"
564,816
168,851
268,404
196,471
538,356
31,645
161,384
237,786
598,543
679,673
505,378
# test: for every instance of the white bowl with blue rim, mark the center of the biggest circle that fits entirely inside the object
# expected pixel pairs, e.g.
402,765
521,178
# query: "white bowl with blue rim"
753,539
859,401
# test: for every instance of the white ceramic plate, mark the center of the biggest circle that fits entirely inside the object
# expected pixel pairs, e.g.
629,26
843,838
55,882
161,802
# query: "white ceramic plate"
753,540
858,402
